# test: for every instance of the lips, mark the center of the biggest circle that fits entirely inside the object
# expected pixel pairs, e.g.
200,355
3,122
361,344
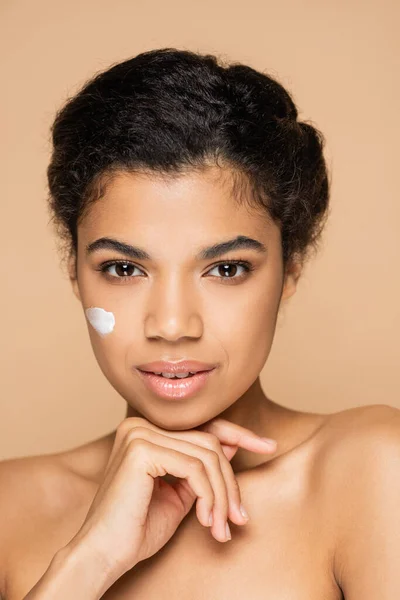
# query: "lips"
176,389
183,366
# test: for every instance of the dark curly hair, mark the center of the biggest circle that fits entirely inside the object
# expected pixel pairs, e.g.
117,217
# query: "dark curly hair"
166,111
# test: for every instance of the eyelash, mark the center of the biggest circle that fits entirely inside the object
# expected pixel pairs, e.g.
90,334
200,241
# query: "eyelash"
248,267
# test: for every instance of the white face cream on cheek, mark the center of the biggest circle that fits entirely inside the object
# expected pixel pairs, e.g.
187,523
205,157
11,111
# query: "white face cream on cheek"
101,320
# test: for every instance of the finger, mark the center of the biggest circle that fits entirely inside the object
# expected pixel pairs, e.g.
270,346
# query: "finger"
231,433
210,441
227,432
235,435
225,455
118,446
223,431
123,428
190,469
115,459
212,464
145,457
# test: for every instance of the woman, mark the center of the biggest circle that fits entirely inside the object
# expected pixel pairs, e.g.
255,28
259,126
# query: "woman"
189,197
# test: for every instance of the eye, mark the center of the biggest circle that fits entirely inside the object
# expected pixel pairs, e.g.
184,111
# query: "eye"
230,267
123,270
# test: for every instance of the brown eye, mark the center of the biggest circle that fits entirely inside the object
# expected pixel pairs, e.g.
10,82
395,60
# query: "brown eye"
119,270
228,270
123,270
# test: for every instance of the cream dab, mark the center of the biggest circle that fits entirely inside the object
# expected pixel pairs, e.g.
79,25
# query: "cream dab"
101,320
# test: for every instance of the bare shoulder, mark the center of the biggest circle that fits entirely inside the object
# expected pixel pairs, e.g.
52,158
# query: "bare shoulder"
350,440
357,466
37,493
346,433
341,452
42,483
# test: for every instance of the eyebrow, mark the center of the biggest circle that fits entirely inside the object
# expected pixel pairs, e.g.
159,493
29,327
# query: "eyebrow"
241,242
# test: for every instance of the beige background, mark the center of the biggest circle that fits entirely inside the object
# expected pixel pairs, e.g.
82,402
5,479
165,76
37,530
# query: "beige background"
337,343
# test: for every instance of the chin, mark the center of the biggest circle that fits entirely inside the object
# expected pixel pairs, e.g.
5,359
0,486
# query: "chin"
179,423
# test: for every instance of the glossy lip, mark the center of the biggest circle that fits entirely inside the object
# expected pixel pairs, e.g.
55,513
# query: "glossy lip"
182,366
175,389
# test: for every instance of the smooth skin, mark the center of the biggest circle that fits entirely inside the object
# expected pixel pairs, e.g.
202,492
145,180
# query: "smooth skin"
323,505
150,508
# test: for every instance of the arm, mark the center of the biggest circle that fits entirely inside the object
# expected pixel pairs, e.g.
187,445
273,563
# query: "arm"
367,560
74,572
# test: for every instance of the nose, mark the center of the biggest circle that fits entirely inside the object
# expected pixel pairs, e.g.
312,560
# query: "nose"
173,312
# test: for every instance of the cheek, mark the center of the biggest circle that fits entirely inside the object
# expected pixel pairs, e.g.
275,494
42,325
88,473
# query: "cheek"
246,331
101,320
108,346
246,338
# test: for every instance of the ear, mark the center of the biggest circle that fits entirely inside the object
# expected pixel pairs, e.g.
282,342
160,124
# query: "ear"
72,272
292,274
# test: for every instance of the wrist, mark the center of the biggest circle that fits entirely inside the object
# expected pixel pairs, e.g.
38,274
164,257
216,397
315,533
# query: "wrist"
81,563
73,573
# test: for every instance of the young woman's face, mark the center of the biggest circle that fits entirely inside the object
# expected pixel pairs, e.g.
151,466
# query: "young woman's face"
176,304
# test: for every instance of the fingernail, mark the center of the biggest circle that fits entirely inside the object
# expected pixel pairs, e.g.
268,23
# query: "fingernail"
243,512
228,532
210,520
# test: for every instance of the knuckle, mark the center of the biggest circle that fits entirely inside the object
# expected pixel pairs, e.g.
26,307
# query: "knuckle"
212,442
120,431
195,464
121,425
136,432
213,457
126,425
136,447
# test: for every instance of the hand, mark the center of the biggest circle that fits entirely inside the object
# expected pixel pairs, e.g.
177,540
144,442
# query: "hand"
135,512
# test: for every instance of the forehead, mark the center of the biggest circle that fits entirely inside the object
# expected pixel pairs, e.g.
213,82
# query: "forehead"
192,207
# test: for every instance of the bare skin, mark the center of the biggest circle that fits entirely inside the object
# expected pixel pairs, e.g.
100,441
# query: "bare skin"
297,542
288,544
